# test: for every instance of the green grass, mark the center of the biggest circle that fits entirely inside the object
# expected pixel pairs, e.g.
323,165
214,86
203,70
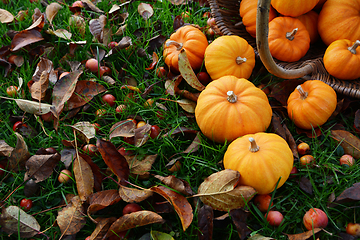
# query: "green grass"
327,178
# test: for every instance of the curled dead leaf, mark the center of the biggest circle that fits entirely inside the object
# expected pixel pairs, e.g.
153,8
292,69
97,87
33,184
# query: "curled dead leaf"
84,178
132,195
6,16
145,10
51,10
187,72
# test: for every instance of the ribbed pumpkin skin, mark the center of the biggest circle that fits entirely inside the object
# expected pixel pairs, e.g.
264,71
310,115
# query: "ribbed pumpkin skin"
220,120
221,55
194,42
293,8
262,169
280,46
339,19
248,11
310,20
340,62
316,109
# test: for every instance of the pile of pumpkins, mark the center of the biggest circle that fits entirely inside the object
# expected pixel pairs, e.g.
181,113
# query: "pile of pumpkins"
232,109
294,25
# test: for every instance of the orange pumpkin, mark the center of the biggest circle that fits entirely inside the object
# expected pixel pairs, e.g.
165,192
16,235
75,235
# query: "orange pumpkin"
229,55
263,160
248,9
192,40
293,8
231,107
311,104
310,20
342,59
339,19
288,39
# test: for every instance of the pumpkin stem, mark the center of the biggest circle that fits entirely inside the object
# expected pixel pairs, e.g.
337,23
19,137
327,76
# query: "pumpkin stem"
253,147
291,35
177,45
239,60
303,94
231,97
352,49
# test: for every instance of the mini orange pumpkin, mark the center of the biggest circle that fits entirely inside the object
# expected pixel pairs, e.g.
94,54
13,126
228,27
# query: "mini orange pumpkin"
311,104
288,39
263,160
310,21
293,8
248,9
230,107
339,19
342,59
229,55
192,40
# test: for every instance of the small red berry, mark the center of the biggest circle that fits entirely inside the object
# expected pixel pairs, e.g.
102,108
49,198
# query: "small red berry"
109,99
154,131
131,207
26,204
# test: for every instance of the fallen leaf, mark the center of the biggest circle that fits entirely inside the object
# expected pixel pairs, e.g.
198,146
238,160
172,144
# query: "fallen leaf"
78,23
219,191
348,141
205,222
24,38
303,236
145,10
67,156
38,22
63,90
155,60
113,159
140,167
187,72
6,16
155,235
71,219
84,131
180,204
96,29
188,95
103,199
277,126
142,134
38,89
84,178
97,172
125,128
282,90
15,220
5,149
350,194
305,185
6,65
132,195
260,237
40,167
19,61
239,216
47,66
102,226
51,10
19,155
61,33
134,220
84,92
90,6
291,142
177,184
186,104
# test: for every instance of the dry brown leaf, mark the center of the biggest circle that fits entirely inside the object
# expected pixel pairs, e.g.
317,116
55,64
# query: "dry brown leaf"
24,38
141,167
102,226
71,218
39,22
19,155
84,178
84,131
51,10
180,204
187,72
125,128
40,167
145,10
96,29
177,184
205,222
90,6
219,191
5,149
6,16
38,89
133,220
78,23
15,220
142,134
61,33
186,104
44,65
19,61
67,156
20,16
31,106
260,237
132,195
299,236
348,141
101,200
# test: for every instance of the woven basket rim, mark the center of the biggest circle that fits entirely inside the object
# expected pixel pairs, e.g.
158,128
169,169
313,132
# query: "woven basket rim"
229,22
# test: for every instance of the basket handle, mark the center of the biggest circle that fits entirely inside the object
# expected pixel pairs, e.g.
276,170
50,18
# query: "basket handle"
262,44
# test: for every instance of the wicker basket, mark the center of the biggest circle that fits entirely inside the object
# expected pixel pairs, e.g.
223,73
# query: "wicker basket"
228,20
